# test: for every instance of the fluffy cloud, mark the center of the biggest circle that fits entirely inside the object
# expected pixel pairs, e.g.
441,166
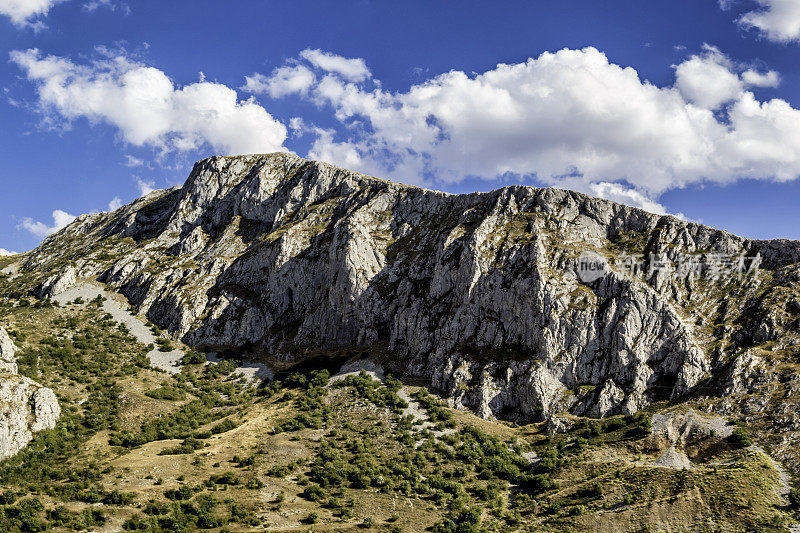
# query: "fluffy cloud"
711,79
147,108
342,153
623,195
297,125
114,204
761,79
707,80
26,12
570,118
3,251
350,69
777,20
61,219
283,81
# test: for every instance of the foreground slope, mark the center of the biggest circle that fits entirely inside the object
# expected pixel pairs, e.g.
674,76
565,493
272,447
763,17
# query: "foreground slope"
477,294
140,449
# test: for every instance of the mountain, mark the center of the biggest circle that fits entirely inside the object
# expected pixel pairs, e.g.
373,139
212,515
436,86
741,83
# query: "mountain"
478,294
539,310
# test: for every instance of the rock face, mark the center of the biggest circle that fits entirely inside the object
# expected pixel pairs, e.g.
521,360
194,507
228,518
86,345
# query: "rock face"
8,352
678,428
481,293
58,283
25,406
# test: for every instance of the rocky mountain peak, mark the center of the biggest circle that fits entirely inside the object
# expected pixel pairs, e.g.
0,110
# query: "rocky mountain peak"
479,293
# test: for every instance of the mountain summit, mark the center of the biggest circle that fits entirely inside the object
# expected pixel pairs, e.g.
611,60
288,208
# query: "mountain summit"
478,294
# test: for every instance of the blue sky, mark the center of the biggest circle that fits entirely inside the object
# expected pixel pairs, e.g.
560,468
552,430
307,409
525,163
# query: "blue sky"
684,107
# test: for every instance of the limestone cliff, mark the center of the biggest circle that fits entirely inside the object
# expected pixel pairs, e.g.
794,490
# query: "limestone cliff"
25,406
477,293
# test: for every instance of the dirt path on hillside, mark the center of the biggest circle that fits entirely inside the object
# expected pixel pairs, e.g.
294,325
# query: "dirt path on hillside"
117,307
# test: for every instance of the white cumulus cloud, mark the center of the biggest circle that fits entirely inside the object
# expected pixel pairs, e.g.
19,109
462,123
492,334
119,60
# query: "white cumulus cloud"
343,154
711,79
568,118
27,12
61,219
708,79
282,82
114,204
147,108
761,79
3,251
625,195
350,69
777,20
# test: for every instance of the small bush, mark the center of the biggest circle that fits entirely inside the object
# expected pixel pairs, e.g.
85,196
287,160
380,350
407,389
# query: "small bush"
166,393
314,493
189,445
794,498
740,437
311,518
222,427
164,344
193,357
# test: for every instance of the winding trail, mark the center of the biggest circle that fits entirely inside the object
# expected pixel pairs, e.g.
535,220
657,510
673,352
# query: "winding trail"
784,480
116,306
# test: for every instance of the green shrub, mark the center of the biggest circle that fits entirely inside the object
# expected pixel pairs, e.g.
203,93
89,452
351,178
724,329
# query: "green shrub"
185,492
189,445
178,425
193,357
374,391
164,344
228,478
794,498
311,518
115,497
314,493
740,437
279,471
459,521
254,484
222,427
166,392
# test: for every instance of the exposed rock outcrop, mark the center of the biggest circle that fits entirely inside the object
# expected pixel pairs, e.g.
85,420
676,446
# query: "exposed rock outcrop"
25,406
678,428
8,351
477,293
58,283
